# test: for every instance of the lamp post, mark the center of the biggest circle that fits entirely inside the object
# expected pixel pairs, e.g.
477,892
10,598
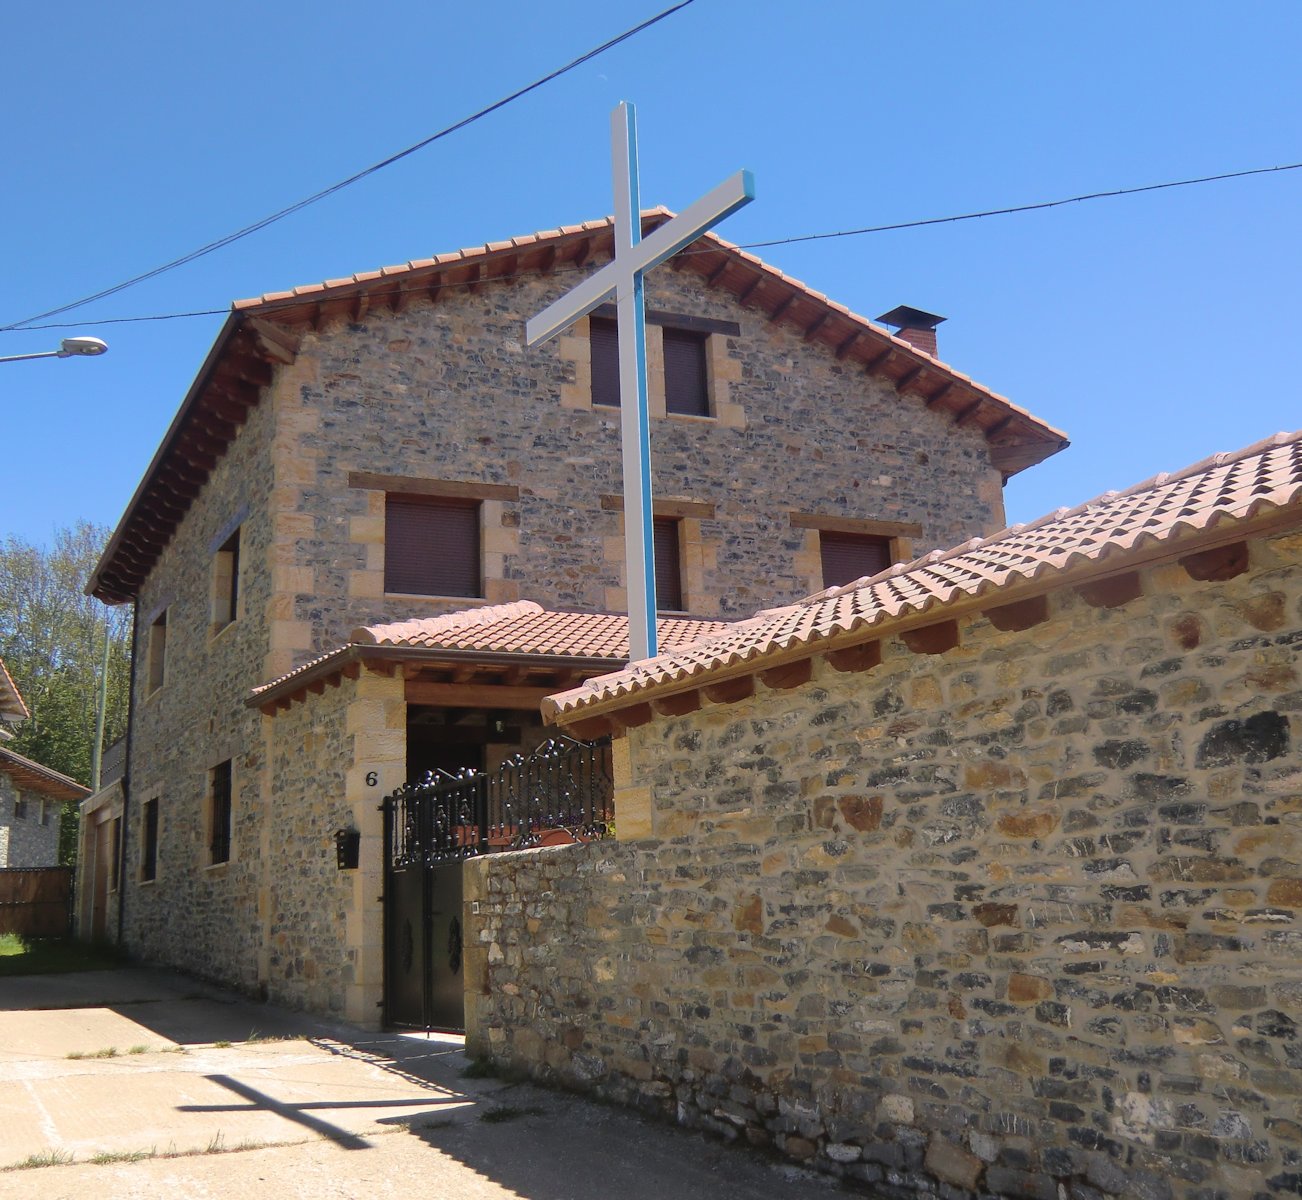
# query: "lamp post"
75,347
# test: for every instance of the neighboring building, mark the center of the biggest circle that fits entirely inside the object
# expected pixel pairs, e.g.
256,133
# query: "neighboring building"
374,473
31,795
981,877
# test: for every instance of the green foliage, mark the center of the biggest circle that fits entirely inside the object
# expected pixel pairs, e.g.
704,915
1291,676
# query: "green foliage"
52,956
52,642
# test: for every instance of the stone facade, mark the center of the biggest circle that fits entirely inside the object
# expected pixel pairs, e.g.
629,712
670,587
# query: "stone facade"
445,392
1016,919
29,827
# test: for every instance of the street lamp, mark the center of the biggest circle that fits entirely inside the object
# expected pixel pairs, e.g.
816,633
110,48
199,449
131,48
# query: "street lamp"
75,347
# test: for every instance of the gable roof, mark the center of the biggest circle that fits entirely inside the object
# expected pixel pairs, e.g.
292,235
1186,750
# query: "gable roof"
12,708
1168,514
492,641
265,332
33,777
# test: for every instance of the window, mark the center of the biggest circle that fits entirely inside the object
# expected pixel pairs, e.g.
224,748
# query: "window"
115,850
431,546
851,556
46,807
687,390
604,343
219,810
20,809
226,582
156,656
148,841
668,561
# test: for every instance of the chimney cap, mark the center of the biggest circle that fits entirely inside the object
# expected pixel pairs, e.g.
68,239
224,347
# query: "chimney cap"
905,317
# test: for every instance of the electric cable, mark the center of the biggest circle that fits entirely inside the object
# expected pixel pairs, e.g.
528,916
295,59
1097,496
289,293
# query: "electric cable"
787,241
343,183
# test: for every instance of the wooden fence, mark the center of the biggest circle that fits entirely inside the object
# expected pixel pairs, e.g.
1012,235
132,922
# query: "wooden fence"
36,902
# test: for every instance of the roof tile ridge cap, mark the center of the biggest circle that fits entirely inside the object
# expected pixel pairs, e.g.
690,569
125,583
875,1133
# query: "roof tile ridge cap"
1212,461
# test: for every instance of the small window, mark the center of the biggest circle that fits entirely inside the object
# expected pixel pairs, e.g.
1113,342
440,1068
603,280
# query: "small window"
431,546
604,343
148,841
20,809
46,809
668,561
156,663
115,851
219,808
687,389
851,556
226,582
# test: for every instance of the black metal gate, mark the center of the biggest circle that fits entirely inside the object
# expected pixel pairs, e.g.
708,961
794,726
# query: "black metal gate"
561,792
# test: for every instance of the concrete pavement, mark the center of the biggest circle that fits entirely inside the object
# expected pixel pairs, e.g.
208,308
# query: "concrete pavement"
213,1095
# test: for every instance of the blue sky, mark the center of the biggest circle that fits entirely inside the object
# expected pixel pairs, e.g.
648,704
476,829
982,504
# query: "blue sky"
1154,329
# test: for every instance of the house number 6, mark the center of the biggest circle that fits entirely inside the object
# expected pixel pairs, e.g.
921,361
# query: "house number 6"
372,779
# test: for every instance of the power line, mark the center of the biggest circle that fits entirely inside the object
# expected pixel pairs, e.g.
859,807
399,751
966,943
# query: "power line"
343,183
806,237
1020,208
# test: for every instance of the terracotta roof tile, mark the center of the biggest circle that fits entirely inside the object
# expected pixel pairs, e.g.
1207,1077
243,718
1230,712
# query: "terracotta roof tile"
523,628
1264,476
12,708
32,776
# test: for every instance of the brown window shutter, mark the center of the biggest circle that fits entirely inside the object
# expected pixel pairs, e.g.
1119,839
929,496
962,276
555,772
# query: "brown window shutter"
686,389
669,575
851,556
431,546
604,343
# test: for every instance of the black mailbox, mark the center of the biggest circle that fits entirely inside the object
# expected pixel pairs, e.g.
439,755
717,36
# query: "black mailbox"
348,845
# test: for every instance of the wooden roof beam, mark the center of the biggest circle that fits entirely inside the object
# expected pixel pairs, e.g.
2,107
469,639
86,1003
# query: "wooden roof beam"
811,330
964,415
847,344
938,395
778,313
907,378
749,290
274,340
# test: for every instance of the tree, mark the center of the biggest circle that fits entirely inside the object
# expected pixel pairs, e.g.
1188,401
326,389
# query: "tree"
52,642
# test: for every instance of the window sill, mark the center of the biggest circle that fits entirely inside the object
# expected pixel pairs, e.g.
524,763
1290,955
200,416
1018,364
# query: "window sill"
710,417
147,882
216,631
464,601
216,870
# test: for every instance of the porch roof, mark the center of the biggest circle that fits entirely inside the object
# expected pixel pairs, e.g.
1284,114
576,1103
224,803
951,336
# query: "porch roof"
33,777
504,655
1200,515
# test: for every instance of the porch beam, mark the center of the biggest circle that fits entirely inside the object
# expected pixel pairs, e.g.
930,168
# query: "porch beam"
475,695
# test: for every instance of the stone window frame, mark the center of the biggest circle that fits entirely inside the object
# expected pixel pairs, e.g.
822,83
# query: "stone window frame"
693,553
149,855
723,369
898,535
499,535
226,596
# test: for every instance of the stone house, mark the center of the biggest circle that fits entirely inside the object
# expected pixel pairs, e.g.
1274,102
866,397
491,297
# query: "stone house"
379,531
31,795
981,875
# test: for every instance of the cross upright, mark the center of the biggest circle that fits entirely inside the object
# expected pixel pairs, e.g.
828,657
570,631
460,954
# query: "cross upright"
622,278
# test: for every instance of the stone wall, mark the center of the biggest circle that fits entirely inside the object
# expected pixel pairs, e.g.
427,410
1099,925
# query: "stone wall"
1018,916
447,392
30,840
198,916
323,946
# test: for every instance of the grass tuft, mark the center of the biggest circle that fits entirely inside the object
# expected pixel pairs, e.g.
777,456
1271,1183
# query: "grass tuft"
107,1157
46,1158
480,1068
